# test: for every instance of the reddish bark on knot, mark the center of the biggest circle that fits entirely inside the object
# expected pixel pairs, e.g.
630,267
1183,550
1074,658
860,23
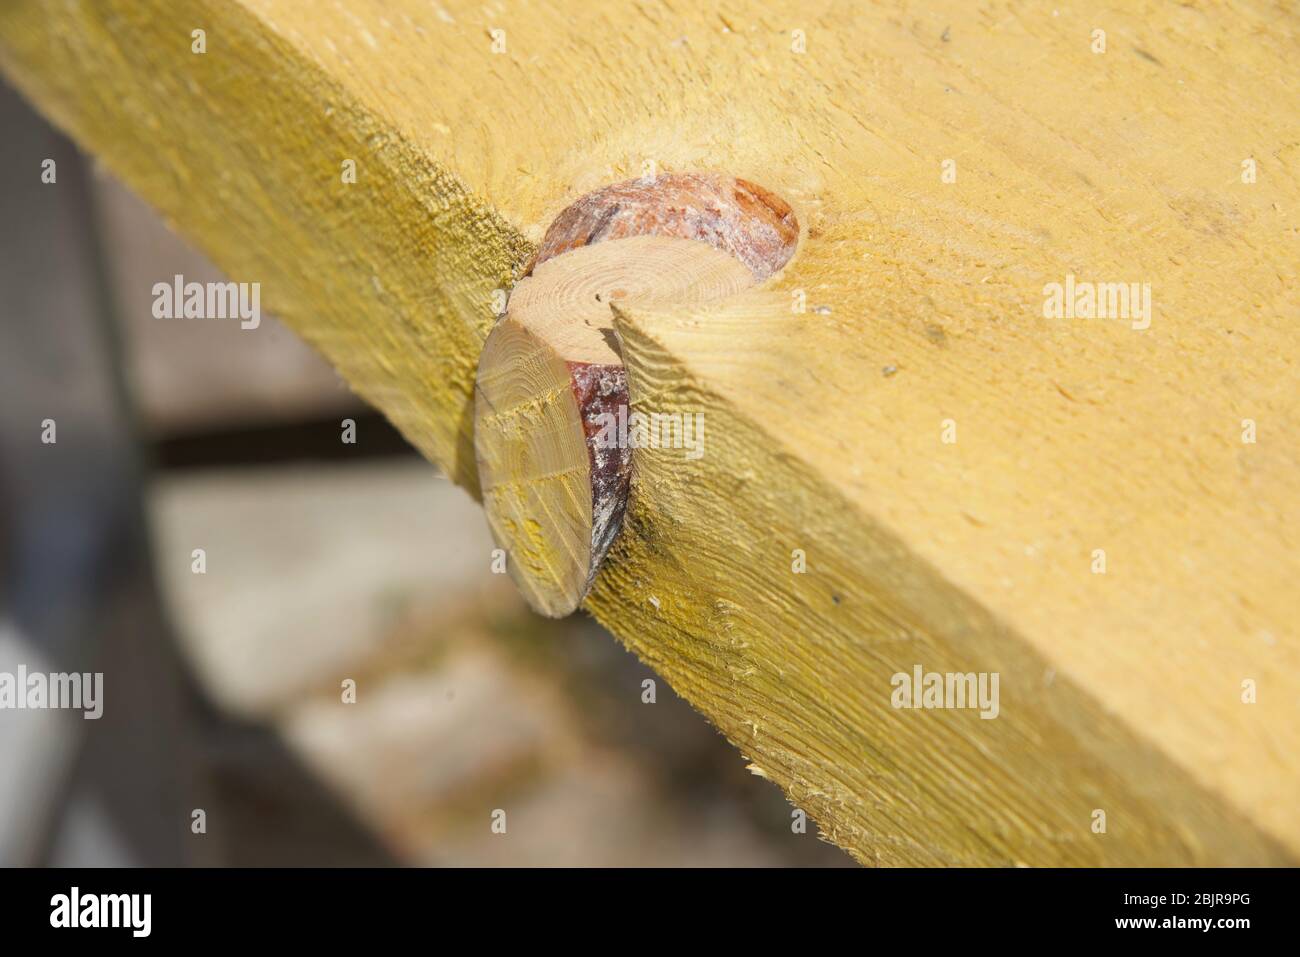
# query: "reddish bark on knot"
733,215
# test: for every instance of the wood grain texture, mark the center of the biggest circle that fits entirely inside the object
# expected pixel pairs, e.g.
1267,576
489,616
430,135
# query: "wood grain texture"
1120,691
551,390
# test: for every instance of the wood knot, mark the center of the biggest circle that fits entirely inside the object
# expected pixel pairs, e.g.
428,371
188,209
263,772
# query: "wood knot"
551,381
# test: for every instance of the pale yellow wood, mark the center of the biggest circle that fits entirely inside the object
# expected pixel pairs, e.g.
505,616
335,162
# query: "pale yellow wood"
1120,692
546,506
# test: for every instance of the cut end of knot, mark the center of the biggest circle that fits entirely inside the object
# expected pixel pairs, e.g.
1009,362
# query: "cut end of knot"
551,381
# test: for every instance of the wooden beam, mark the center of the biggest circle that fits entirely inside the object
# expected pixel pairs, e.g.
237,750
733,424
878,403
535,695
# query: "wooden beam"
954,463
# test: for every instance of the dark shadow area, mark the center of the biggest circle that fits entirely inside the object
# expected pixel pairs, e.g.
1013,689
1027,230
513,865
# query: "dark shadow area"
259,445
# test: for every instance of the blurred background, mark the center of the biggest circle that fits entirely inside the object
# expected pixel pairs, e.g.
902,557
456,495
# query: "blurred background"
325,562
